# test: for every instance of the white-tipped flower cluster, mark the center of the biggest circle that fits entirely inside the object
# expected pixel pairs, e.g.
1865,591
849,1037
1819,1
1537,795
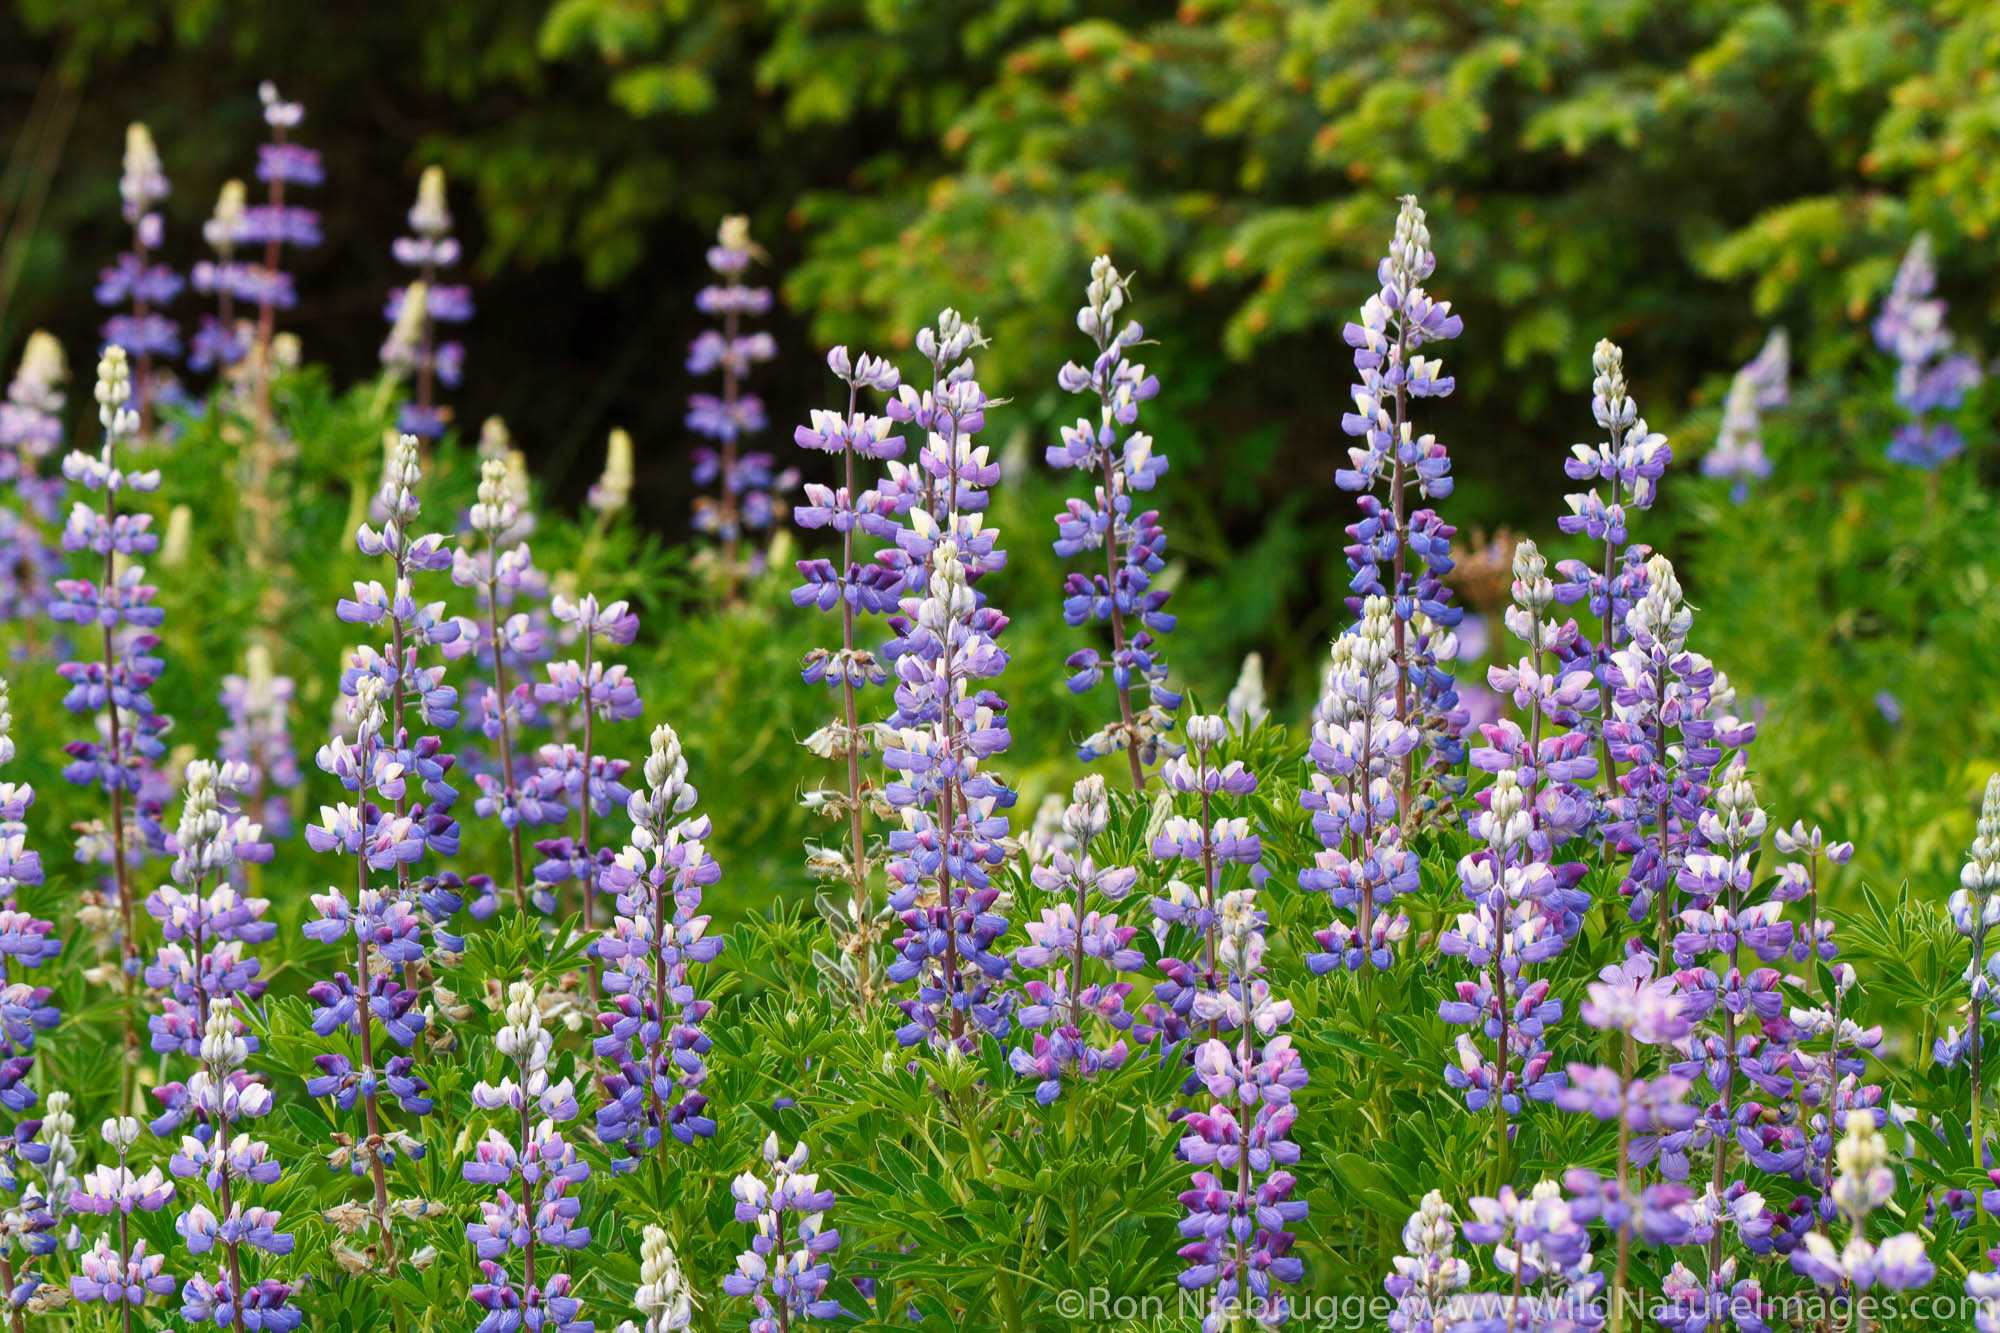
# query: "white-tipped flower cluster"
495,512
1660,616
613,489
663,1295
114,388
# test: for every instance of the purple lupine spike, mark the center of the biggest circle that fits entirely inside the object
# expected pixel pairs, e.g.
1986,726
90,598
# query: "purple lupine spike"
1240,1208
653,1022
398,815
382,933
118,1192
580,776
1192,1001
1631,460
111,607
1526,906
1762,384
786,1270
1075,928
1665,722
495,562
258,703
413,347
275,224
211,978
949,718
416,820
1525,910
747,490
535,1175
26,942
1358,745
1396,324
1428,1275
1931,377
1119,460
854,587
1644,1009
31,430
223,339
1539,1240
148,336
1864,1184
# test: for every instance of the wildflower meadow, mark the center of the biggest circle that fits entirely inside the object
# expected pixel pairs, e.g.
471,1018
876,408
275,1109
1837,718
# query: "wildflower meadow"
874,856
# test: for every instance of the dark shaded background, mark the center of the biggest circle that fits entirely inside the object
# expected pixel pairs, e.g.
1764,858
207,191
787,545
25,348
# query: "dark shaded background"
1675,177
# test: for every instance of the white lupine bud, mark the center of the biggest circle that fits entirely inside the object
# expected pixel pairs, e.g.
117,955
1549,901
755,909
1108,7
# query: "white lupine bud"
613,490
1245,704
120,1133
406,335
1981,875
1205,731
494,512
1089,812
663,1294
225,227
114,387
430,215
222,1047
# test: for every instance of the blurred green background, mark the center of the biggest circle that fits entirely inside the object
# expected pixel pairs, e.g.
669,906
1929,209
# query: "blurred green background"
1677,176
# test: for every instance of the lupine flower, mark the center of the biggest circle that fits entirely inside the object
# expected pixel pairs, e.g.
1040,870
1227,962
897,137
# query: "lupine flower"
135,281
117,1192
1863,1185
662,1296
26,942
786,1270
746,488
1543,1249
211,978
1193,1000
275,224
1428,1275
110,596
1070,931
612,491
1240,1208
496,563
949,718
1632,459
1975,910
582,777
1931,377
533,1211
653,1022
1245,707
855,587
1741,1047
1661,725
409,774
258,704
1739,445
1396,324
223,339
382,931
1525,910
31,430
430,250
1117,460
1358,745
